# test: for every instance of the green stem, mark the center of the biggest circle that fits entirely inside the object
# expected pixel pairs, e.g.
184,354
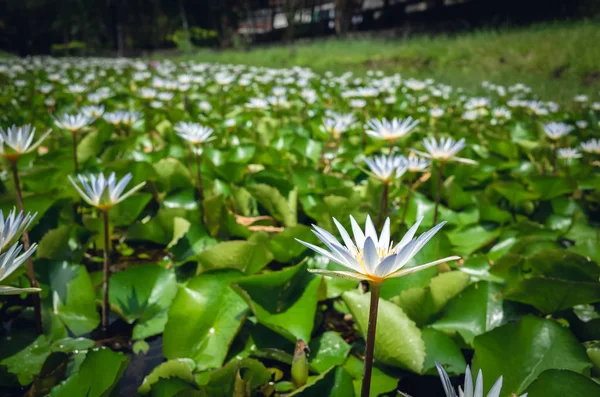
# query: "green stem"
106,272
438,192
370,347
199,177
37,306
383,206
405,210
75,161
554,156
323,153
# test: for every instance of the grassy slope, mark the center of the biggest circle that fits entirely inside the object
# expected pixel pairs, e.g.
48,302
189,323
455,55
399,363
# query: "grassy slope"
558,60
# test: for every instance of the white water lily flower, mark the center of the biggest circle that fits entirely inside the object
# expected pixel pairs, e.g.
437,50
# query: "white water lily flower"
13,226
338,123
16,141
591,146
277,101
93,111
194,133
130,118
9,262
115,118
72,122
568,153
76,88
147,93
257,103
444,150
390,129
436,112
555,131
358,103
415,163
468,390
370,257
102,192
387,168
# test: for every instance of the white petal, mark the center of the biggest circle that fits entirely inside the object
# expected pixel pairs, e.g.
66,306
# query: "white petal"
468,383
370,257
6,290
323,252
409,235
496,389
340,274
425,237
132,191
116,190
326,235
359,236
345,236
414,269
403,256
448,388
479,385
384,268
384,239
464,161
370,230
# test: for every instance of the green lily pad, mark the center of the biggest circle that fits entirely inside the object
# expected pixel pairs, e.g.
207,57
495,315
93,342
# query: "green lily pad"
143,294
334,383
284,301
203,319
521,351
328,350
421,304
55,243
398,341
172,174
550,280
477,310
180,368
98,375
381,382
73,299
246,256
561,383
27,363
439,347
282,209
241,376
158,229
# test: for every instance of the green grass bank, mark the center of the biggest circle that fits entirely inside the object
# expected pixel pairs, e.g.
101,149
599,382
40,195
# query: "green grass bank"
558,60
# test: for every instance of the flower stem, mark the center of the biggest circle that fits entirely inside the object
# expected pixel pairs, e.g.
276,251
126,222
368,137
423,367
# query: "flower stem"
199,180
438,191
106,272
370,348
326,147
383,206
75,161
37,306
554,155
406,203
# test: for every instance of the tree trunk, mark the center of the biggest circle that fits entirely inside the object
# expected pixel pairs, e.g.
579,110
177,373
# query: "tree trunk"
343,16
184,22
224,32
118,28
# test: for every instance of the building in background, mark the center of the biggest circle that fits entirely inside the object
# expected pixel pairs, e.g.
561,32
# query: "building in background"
330,16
